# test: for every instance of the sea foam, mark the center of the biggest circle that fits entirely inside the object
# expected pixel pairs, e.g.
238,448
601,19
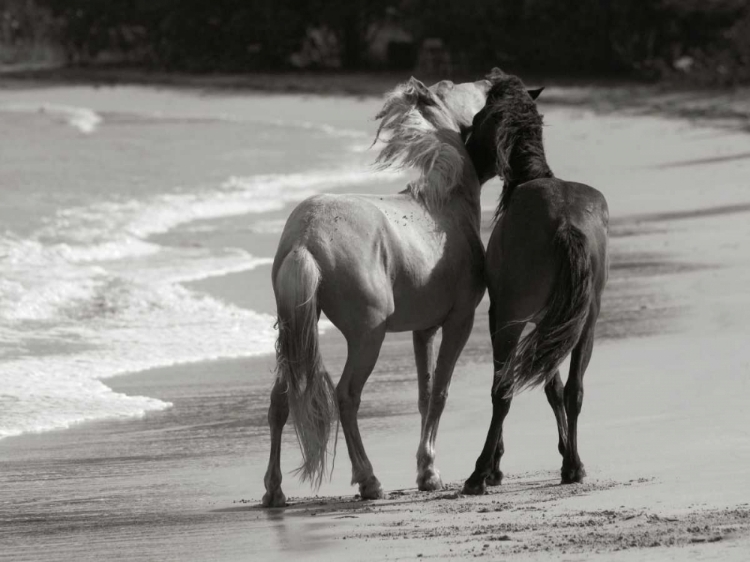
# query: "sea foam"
89,296
83,119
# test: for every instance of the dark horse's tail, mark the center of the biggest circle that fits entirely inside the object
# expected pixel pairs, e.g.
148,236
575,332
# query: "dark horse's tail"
536,357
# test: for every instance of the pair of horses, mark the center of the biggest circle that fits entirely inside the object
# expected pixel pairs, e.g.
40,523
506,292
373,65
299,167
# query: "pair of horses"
355,258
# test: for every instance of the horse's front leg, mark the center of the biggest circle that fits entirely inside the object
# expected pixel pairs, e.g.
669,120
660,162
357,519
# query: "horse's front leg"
425,359
456,332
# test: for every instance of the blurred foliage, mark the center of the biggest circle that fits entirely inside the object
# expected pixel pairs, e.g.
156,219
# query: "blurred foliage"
27,33
705,40
19,21
594,36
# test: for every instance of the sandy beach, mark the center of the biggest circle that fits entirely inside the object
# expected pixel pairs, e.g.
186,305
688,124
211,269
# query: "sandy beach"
664,432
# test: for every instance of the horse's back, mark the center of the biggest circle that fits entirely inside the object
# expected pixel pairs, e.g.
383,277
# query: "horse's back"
344,233
321,221
546,205
555,201
523,256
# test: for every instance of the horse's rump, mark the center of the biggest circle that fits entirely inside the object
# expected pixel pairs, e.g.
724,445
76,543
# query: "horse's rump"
536,357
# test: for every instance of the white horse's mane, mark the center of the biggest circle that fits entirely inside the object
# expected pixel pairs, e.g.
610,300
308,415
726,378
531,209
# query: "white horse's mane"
423,135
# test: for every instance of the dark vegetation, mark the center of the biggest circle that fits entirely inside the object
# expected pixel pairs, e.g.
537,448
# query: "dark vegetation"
704,41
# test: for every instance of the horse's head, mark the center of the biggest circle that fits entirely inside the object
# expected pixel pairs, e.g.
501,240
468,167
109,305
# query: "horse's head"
425,127
444,105
508,119
463,101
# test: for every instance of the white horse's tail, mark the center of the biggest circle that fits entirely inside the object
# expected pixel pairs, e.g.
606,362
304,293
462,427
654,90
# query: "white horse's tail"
312,397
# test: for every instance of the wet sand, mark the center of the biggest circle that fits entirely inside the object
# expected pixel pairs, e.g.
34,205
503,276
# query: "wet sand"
663,433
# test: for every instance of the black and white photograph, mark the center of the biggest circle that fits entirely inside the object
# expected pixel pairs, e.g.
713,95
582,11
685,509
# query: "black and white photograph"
369,280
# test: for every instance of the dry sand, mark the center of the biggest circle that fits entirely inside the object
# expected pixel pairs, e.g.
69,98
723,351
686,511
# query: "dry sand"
664,433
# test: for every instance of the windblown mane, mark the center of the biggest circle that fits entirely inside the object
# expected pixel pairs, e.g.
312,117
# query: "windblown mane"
422,134
517,124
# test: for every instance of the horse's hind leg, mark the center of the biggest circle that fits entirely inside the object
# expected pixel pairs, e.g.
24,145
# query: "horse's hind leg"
278,413
572,468
554,390
487,468
456,333
363,351
495,476
425,360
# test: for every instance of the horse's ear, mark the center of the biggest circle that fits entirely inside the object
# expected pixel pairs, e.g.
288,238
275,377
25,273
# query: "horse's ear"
495,74
409,95
535,92
417,93
417,86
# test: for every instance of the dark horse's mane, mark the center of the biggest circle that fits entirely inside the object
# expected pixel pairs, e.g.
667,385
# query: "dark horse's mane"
512,113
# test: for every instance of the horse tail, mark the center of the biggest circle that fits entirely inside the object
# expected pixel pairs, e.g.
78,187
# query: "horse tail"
299,366
536,357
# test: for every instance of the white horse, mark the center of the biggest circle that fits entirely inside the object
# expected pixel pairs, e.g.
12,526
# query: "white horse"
375,264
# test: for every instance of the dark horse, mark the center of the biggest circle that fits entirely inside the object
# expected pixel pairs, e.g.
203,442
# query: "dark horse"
546,264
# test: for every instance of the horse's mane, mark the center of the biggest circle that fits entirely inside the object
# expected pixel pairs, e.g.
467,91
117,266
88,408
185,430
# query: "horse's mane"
423,135
517,124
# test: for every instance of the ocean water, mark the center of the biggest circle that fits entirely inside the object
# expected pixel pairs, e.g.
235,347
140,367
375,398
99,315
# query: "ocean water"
90,182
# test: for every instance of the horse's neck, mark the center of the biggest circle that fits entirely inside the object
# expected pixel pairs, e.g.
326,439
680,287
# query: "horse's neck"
527,163
465,197
463,205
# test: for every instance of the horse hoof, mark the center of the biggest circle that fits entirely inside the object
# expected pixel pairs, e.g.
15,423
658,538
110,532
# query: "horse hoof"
275,498
429,481
573,475
495,478
474,490
370,489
